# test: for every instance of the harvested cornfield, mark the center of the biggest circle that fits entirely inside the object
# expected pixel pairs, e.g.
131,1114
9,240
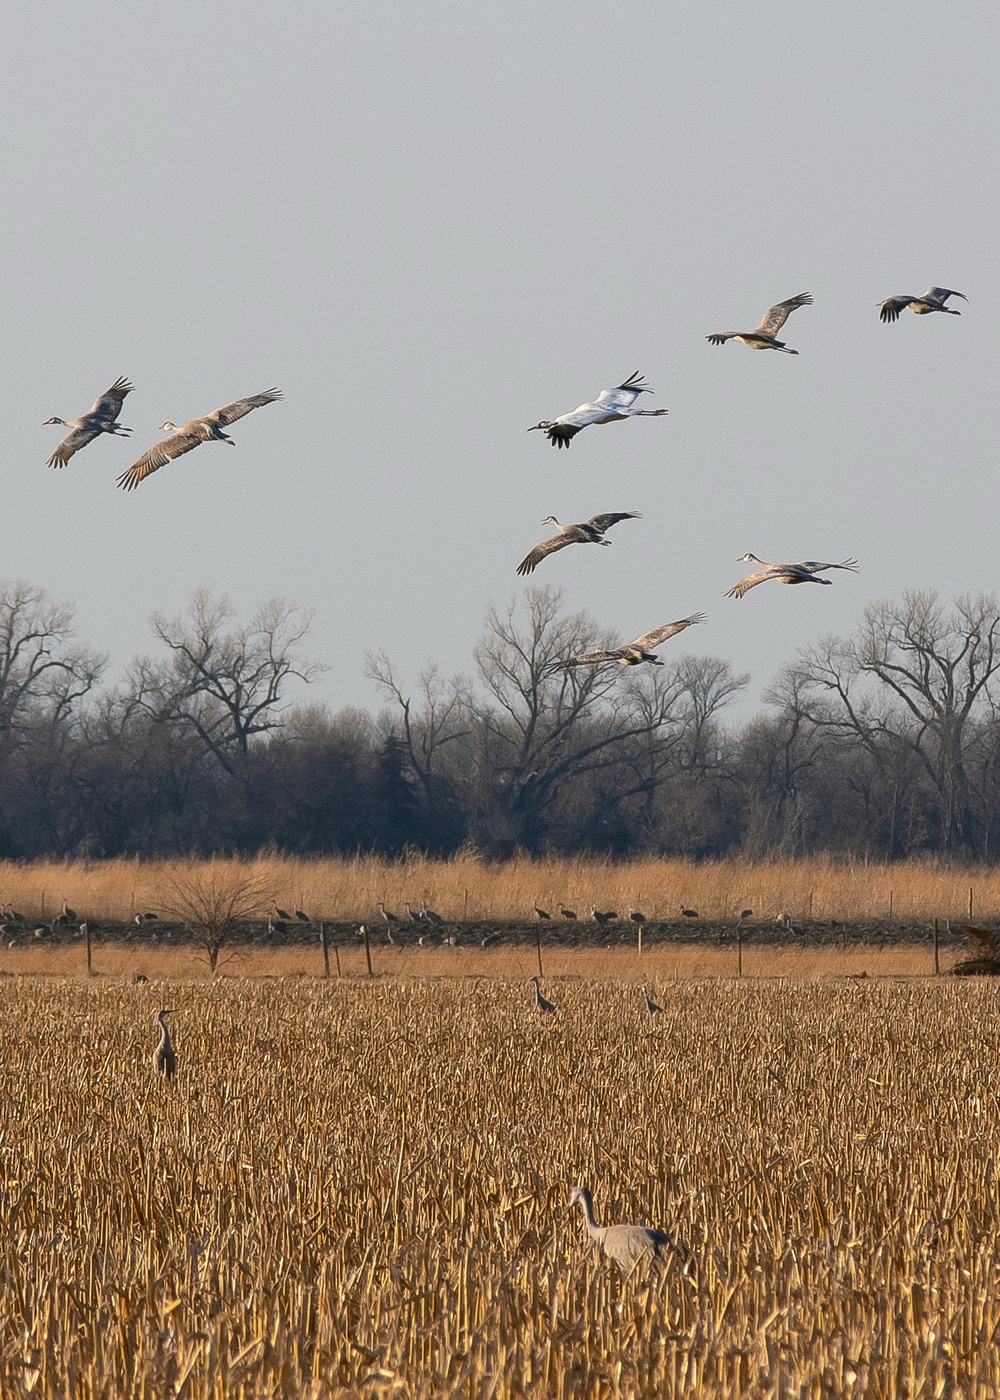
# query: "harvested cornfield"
359,1188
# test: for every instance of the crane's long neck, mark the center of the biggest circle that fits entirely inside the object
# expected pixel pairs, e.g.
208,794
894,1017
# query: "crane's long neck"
164,1035
587,1206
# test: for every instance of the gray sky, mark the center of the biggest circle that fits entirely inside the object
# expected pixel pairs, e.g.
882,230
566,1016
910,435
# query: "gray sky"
433,225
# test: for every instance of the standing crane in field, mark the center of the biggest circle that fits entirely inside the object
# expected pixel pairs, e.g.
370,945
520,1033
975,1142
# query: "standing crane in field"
164,1056
764,336
625,1244
804,572
609,406
191,435
102,418
633,653
590,531
932,300
651,1006
542,1003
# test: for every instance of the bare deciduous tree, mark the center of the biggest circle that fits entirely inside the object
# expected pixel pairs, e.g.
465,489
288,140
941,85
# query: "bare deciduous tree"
225,680
42,674
539,727
426,735
916,676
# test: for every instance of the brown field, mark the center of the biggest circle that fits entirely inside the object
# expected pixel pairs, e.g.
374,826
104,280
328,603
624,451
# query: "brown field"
470,888
517,963
358,1188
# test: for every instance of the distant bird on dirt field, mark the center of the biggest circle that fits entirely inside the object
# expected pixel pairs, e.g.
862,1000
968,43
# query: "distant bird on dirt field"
763,336
637,917
387,915
164,1057
690,913
541,1003
590,531
414,915
541,913
191,435
745,914
302,916
633,653
932,300
609,406
568,913
603,916
102,418
625,1244
803,572
429,917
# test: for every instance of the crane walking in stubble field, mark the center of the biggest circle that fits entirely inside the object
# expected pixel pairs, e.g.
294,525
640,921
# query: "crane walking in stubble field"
625,1244
164,1056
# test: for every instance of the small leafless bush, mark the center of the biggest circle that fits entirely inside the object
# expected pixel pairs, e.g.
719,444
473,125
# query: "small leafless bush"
213,901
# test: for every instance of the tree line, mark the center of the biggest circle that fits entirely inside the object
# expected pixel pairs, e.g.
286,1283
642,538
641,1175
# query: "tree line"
885,743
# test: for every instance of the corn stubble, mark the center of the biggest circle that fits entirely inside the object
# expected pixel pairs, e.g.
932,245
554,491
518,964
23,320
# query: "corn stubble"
361,1188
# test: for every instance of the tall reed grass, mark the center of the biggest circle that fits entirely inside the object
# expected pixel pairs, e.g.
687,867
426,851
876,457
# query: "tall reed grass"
470,887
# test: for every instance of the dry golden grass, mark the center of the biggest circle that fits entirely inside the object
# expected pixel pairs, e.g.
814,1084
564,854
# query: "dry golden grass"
358,1188
468,887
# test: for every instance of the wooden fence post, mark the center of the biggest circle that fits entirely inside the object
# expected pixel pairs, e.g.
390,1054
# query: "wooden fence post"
970,902
368,950
86,932
538,948
336,954
326,948
937,949
739,950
